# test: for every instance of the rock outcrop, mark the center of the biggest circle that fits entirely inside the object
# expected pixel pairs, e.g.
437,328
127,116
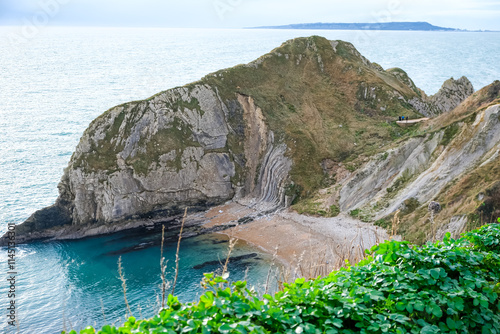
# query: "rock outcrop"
450,95
257,134
152,158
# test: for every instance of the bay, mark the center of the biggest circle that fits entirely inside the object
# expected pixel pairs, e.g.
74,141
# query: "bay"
53,84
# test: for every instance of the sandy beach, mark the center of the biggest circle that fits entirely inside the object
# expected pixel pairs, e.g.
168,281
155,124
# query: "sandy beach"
308,246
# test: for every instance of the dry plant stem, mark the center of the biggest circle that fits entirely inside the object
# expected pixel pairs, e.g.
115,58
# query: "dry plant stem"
310,254
232,242
140,311
282,276
395,223
163,268
362,240
124,284
270,269
433,233
298,268
245,278
64,318
177,251
17,323
102,310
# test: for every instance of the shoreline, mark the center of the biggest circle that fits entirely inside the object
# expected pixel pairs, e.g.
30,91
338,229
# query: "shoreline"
304,245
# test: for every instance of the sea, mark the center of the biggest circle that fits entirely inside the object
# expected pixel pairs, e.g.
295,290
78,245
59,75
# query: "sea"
55,80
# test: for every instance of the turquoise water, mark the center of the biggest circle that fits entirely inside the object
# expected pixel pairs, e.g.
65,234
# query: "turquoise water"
75,284
55,83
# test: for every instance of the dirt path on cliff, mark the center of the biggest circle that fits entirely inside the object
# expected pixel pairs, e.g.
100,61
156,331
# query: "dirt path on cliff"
308,246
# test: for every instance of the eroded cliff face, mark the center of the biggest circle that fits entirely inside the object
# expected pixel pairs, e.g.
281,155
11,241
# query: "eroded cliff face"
369,184
266,165
152,156
454,160
473,145
421,167
256,133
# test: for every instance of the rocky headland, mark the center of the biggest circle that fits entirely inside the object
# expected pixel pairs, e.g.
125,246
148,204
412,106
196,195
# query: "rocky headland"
309,127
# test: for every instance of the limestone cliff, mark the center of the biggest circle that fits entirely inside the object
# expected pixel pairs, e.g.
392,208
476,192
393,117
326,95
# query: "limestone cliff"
256,133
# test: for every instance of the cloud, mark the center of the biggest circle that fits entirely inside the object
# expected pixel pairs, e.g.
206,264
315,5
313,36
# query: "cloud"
244,13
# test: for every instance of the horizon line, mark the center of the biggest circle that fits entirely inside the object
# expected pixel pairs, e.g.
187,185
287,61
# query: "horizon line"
265,27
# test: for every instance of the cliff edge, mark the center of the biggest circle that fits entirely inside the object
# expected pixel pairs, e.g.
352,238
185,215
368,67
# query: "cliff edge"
260,134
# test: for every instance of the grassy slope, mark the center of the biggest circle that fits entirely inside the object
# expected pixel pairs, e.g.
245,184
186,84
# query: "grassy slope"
312,96
324,103
460,197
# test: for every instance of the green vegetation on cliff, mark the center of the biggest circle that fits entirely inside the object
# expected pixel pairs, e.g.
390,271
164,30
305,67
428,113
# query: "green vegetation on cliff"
451,286
329,110
323,99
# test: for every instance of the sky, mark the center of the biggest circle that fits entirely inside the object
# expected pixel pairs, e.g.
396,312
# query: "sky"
462,14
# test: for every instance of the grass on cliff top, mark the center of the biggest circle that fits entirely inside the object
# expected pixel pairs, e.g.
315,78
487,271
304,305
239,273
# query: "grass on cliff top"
313,98
450,286
118,123
323,103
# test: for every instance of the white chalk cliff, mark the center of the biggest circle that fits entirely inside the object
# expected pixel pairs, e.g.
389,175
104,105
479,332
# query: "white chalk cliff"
257,134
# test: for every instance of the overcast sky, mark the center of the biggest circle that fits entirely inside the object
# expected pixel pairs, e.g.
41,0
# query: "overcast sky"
463,14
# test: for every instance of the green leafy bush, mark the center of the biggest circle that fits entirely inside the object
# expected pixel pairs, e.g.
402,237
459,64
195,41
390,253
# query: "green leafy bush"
385,223
310,207
363,216
400,181
350,167
444,287
487,238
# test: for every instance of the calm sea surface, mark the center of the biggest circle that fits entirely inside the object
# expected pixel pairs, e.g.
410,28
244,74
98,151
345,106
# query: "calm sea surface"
54,83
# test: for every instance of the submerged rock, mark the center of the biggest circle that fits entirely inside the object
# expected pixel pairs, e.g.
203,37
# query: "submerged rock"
232,259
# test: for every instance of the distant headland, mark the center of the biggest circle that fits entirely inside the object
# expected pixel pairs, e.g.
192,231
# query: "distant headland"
402,26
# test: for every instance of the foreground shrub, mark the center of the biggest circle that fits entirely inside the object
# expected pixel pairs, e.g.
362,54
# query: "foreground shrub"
444,287
487,238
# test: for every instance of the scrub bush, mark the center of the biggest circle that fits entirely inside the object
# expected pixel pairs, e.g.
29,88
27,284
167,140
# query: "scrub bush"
450,286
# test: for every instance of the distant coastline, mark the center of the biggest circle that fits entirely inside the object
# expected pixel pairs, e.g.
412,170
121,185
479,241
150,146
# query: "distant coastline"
397,26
